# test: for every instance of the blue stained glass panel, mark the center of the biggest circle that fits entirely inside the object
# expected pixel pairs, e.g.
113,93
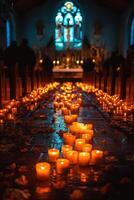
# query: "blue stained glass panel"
68,30
132,32
8,33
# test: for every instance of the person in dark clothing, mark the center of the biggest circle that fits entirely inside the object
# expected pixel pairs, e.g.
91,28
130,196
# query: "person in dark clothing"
11,60
115,63
27,60
88,65
48,66
127,71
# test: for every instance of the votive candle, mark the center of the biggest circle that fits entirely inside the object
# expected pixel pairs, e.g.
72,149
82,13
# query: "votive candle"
84,158
65,149
62,165
79,144
43,170
53,154
72,156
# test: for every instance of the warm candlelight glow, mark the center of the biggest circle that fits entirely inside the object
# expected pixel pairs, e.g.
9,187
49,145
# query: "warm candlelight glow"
87,147
69,139
65,149
78,128
88,137
72,156
62,165
53,155
79,144
43,170
69,119
84,158
65,111
96,156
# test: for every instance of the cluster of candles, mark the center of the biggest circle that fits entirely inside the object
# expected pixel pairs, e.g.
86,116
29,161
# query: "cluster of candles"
112,104
77,148
8,113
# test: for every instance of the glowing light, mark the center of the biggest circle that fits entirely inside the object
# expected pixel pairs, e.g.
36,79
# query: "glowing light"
68,32
93,61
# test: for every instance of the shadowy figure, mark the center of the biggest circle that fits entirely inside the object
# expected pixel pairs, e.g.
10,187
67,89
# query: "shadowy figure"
48,66
27,60
115,62
11,60
127,71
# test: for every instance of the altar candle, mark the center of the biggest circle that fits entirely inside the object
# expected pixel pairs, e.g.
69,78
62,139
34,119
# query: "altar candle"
84,158
87,147
1,121
79,144
72,156
88,137
43,170
96,156
65,149
62,165
53,154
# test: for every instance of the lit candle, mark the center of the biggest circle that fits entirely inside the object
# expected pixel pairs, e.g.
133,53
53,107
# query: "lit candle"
90,132
70,118
1,121
65,111
72,156
79,144
56,104
14,110
69,139
53,155
84,158
65,149
87,147
62,165
96,156
88,137
43,170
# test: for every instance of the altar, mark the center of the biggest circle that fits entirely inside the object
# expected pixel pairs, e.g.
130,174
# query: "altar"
60,72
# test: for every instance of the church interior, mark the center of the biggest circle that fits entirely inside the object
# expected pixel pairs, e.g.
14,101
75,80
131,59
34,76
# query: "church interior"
66,99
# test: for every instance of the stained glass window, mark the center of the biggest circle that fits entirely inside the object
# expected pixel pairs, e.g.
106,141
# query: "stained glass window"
8,33
68,31
132,32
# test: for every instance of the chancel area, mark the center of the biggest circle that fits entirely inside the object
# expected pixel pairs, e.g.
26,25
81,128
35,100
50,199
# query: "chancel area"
66,99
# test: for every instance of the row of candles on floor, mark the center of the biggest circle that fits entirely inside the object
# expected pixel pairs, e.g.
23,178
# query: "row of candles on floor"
30,101
112,104
71,157
77,148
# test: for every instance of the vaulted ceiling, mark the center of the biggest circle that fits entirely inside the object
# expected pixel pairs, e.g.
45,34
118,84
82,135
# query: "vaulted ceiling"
115,5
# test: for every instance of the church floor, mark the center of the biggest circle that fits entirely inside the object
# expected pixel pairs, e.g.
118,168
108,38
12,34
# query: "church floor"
26,142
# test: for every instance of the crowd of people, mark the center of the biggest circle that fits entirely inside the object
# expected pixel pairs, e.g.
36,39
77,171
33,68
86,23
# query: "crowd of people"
19,59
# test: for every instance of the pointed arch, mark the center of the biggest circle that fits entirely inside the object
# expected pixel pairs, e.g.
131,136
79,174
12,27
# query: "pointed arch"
68,27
